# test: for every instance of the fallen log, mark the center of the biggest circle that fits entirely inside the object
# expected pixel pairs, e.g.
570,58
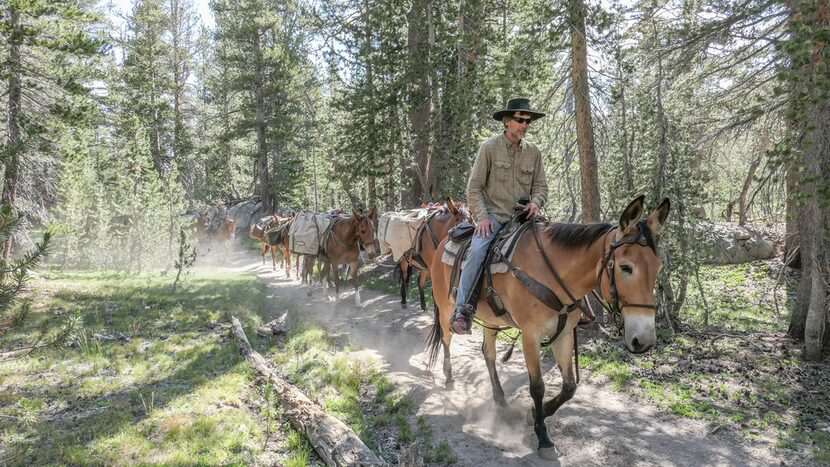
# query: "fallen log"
335,442
275,327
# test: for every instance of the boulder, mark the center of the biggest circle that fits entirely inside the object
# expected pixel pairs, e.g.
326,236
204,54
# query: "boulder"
246,213
728,243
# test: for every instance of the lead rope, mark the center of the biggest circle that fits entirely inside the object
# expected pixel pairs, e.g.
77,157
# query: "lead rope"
576,355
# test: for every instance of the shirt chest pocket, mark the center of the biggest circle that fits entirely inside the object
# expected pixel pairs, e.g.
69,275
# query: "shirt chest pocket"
503,171
526,174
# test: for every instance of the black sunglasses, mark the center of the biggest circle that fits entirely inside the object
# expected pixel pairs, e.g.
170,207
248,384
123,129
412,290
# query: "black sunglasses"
521,120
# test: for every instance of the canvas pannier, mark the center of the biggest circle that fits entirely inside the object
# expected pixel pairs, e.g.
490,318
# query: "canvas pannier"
396,231
306,232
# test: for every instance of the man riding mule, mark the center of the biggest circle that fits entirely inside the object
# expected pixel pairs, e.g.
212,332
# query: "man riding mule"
507,168
552,267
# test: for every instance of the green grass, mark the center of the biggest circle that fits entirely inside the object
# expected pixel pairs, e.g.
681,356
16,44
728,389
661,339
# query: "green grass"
740,374
177,392
739,297
173,394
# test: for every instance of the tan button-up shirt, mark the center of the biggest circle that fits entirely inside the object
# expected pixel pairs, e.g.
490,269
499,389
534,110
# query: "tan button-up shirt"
501,176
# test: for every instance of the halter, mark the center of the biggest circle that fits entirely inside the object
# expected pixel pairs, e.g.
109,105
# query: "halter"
357,240
608,260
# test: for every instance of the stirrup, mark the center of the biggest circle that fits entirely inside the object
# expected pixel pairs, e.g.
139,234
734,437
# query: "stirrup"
461,321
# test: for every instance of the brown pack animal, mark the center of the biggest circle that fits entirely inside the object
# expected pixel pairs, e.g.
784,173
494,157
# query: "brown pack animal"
426,241
551,269
342,246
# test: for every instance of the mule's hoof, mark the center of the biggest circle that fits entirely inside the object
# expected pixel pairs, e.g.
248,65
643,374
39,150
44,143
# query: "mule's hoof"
449,384
549,454
308,293
403,305
530,419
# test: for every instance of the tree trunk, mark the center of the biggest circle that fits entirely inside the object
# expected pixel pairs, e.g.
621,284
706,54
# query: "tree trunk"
13,143
624,146
584,128
335,442
791,218
810,124
419,100
741,199
659,180
264,187
816,315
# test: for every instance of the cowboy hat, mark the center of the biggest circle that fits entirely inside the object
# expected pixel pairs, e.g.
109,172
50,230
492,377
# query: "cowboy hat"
519,104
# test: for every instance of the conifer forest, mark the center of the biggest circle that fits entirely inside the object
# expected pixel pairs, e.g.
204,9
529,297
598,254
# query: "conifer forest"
150,149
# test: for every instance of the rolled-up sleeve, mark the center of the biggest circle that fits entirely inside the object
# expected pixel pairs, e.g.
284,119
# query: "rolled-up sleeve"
476,184
539,190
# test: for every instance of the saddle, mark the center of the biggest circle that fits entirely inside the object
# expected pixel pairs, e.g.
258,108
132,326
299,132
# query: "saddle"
456,252
323,252
276,235
499,260
414,254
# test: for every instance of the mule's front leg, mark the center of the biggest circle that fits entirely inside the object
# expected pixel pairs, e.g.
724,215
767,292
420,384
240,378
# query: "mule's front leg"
530,344
488,348
287,258
563,353
335,272
325,268
273,258
356,277
308,264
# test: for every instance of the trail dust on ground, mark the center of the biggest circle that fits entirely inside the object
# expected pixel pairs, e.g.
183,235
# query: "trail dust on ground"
597,427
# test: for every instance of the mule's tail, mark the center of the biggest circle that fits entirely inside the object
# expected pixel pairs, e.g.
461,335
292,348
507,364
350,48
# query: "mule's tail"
433,342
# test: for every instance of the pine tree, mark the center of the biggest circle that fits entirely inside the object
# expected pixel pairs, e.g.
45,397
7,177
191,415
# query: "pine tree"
49,53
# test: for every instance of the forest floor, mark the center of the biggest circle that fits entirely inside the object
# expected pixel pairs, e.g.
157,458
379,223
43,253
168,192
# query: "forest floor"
618,416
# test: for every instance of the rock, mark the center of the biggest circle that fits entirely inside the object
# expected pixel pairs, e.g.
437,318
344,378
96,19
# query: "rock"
664,370
727,243
246,213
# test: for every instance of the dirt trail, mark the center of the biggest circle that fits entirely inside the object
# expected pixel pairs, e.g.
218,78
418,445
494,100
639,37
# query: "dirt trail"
596,427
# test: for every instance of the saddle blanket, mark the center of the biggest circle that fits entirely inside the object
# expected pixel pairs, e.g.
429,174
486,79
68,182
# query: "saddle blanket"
306,232
451,251
397,230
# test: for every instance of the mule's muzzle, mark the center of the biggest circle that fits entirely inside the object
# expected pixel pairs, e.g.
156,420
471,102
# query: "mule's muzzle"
371,252
636,346
640,333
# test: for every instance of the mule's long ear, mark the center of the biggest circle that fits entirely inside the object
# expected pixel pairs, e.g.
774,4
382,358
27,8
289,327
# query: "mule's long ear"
631,215
451,206
658,217
373,214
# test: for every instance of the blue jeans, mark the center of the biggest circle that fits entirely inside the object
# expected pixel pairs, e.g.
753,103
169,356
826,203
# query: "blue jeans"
478,251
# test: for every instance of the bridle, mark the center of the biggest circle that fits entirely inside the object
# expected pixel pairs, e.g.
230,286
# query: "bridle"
360,243
608,261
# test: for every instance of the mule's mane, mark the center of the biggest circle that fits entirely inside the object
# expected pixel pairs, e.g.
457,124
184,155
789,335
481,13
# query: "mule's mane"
577,235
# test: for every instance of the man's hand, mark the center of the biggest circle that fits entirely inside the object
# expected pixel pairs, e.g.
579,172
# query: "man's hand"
484,227
532,209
